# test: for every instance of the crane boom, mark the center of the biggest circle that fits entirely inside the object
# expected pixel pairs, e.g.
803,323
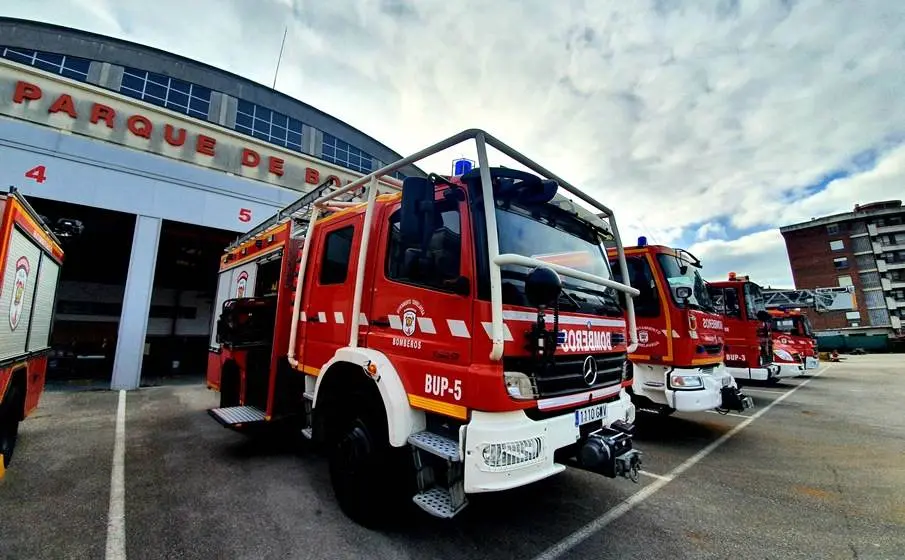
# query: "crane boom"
819,299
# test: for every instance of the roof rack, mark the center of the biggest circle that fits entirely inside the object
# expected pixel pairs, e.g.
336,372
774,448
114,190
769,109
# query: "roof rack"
14,192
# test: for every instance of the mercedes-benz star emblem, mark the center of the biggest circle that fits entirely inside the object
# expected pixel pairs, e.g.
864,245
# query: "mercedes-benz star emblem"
589,370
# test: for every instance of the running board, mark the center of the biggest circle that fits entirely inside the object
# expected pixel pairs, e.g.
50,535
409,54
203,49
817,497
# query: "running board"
435,444
438,502
234,416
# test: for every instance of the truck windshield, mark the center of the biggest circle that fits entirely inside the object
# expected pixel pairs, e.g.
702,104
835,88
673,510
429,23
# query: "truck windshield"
793,326
551,235
670,265
754,299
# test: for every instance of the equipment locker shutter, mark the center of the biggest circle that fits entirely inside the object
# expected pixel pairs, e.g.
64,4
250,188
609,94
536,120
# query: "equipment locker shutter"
233,283
43,309
18,290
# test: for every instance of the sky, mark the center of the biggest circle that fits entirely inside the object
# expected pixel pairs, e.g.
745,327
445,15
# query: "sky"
703,124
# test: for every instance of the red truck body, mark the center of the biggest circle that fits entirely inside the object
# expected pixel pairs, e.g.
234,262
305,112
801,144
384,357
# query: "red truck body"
30,260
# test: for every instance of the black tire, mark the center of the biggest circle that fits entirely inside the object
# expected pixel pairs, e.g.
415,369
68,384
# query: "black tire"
371,480
10,415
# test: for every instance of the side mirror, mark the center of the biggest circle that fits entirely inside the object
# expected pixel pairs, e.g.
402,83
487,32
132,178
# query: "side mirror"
417,212
682,293
764,316
542,286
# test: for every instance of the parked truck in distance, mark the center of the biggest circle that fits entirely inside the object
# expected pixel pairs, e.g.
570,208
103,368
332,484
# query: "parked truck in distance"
750,352
30,260
678,365
431,340
791,330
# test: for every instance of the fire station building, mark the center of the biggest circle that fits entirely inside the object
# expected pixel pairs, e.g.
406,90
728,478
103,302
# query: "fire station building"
147,164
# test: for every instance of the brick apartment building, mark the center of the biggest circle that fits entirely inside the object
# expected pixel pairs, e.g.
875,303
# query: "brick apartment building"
864,248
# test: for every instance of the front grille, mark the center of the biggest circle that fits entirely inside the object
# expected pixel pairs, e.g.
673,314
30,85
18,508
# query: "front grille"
567,376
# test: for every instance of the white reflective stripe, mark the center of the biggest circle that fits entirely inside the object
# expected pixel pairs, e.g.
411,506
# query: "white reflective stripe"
458,328
338,317
395,322
563,319
426,324
507,335
566,400
675,334
321,316
362,319
303,317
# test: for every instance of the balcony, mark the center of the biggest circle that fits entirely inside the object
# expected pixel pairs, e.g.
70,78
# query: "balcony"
874,230
895,265
894,284
878,248
881,265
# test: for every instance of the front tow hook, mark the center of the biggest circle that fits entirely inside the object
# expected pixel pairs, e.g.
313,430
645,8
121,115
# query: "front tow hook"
733,399
609,452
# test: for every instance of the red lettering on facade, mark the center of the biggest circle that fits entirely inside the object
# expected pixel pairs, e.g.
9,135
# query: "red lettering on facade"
336,180
102,112
177,140
250,158
65,104
139,126
205,145
26,91
312,176
276,166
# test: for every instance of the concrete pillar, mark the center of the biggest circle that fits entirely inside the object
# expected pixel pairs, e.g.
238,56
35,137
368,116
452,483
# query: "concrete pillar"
133,323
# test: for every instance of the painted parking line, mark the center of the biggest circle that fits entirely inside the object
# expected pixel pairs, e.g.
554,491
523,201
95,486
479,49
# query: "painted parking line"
116,518
582,534
657,476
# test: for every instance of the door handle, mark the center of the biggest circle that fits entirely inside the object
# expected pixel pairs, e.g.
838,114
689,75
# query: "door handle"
383,321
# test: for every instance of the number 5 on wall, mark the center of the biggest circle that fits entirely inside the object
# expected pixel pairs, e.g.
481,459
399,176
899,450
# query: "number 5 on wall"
245,214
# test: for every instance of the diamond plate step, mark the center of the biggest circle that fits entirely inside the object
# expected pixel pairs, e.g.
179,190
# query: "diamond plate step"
233,415
308,433
435,444
437,502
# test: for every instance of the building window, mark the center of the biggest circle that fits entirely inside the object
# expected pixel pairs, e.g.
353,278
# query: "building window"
177,95
337,251
841,263
874,298
861,245
865,262
66,66
878,317
269,125
837,245
844,281
856,228
341,153
870,279
832,229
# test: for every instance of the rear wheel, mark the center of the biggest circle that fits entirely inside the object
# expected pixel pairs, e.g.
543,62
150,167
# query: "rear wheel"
10,415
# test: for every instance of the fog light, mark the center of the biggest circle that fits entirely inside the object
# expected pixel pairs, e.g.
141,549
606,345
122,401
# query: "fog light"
512,453
519,385
678,381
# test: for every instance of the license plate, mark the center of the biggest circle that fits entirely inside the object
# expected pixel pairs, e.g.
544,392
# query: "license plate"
590,414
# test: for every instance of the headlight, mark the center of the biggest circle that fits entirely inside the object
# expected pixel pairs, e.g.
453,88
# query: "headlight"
679,381
783,355
512,453
519,385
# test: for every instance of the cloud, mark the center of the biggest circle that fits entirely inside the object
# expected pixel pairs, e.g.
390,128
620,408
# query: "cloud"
761,255
674,115
710,230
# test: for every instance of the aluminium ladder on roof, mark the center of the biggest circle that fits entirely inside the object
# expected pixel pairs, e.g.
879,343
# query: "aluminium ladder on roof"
821,299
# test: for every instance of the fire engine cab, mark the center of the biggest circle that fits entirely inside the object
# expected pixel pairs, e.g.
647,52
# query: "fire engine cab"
750,353
791,330
30,260
679,361
461,336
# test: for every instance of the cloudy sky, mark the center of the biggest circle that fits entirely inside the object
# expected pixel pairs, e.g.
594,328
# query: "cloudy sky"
704,124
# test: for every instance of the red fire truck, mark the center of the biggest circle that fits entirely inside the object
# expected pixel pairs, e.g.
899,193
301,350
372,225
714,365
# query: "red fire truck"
750,352
792,331
679,361
30,260
430,339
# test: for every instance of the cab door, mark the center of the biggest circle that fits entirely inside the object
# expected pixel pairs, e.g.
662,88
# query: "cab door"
420,311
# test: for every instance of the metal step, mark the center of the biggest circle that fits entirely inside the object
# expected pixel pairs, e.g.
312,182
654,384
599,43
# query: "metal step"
309,396
435,444
438,502
234,415
308,433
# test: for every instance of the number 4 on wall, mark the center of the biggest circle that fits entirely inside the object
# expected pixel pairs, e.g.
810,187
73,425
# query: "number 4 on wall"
245,215
37,173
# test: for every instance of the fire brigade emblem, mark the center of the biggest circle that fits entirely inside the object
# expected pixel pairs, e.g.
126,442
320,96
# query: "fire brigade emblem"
17,302
408,322
642,337
241,284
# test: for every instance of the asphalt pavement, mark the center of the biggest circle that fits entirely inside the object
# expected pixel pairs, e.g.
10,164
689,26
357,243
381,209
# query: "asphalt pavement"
815,470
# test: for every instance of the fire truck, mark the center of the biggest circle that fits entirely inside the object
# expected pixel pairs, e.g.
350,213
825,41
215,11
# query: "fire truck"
750,352
429,337
792,331
678,365
30,260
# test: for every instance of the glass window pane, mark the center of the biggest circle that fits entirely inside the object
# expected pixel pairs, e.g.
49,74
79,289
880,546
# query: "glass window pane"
200,106
50,58
158,79
178,98
155,90
180,86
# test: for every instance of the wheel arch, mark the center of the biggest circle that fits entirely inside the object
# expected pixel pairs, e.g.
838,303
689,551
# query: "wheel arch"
350,365
18,377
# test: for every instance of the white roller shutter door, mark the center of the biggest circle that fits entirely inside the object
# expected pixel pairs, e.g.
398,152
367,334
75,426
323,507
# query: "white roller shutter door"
18,291
45,295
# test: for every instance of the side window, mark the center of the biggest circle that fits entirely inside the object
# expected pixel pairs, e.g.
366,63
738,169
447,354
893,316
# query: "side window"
437,267
647,304
732,308
335,262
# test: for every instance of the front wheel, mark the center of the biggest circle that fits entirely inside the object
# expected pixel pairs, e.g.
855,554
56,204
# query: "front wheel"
369,476
10,414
